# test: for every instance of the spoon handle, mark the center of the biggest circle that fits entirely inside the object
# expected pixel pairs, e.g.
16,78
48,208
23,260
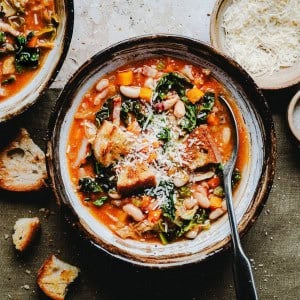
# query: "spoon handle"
242,271
243,277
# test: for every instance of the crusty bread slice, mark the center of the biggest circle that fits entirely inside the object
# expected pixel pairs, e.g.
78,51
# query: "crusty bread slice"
135,179
22,165
55,276
25,231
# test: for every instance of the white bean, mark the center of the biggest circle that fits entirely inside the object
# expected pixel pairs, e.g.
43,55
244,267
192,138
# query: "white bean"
102,84
226,135
187,70
134,212
179,109
180,179
114,195
202,200
149,72
215,214
130,91
149,83
165,105
189,203
192,233
100,96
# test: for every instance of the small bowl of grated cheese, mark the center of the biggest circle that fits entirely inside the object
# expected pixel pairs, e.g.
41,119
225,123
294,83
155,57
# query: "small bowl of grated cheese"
262,36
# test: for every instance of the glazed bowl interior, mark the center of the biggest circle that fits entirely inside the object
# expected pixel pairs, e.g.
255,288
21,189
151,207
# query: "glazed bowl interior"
257,174
48,70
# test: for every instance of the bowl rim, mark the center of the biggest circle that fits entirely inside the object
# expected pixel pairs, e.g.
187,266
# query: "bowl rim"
268,168
215,42
66,41
290,111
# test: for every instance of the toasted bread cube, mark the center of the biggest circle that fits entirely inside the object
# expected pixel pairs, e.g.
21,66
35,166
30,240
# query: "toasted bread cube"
132,180
25,231
55,276
110,143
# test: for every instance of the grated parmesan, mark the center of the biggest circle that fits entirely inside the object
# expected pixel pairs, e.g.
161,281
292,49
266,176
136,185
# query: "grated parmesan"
263,35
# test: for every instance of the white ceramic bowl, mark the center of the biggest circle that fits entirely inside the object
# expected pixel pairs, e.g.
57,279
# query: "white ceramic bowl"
48,70
257,175
283,78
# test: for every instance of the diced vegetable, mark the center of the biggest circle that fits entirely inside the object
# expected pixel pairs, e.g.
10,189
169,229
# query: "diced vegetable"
213,119
154,215
89,185
214,182
236,176
215,202
194,95
135,107
185,191
100,201
164,135
218,191
125,77
145,93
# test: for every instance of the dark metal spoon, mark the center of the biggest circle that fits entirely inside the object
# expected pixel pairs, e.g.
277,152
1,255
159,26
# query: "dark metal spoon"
242,271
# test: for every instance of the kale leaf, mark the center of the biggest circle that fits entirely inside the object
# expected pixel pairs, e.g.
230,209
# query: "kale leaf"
170,82
89,185
100,201
105,112
164,135
189,121
205,107
236,176
135,107
105,176
25,56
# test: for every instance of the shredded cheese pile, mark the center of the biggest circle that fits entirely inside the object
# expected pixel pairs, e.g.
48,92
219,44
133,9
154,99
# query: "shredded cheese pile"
263,35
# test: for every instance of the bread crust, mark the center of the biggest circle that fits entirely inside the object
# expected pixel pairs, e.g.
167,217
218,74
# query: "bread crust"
22,165
55,276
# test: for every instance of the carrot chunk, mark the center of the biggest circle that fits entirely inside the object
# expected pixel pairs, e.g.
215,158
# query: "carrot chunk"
125,77
154,215
146,93
194,94
212,119
215,202
214,182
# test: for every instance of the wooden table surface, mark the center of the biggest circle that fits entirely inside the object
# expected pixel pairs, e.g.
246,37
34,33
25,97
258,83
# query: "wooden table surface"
272,243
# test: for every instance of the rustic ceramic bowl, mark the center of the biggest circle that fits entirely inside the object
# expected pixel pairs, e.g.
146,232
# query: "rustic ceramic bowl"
49,69
257,175
278,80
293,116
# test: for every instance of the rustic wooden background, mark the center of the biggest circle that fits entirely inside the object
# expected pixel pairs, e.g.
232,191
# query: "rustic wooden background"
272,243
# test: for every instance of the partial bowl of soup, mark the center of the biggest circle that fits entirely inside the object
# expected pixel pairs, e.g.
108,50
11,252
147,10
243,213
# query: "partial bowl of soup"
140,138
34,40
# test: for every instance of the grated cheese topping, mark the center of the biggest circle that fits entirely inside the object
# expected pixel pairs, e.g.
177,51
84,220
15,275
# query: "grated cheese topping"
263,35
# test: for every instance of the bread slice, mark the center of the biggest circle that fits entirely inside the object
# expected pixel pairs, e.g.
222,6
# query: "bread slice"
22,165
135,179
201,148
25,231
55,276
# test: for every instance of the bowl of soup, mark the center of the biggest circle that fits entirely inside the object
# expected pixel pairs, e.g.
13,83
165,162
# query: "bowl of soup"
34,40
140,138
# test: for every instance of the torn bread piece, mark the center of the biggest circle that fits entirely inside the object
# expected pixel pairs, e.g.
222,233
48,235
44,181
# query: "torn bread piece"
111,143
55,276
22,165
25,231
201,148
135,179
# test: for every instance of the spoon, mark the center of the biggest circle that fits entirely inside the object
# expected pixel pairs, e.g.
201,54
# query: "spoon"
242,271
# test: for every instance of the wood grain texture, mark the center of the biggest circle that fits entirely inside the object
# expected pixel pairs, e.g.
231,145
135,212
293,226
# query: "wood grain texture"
273,241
